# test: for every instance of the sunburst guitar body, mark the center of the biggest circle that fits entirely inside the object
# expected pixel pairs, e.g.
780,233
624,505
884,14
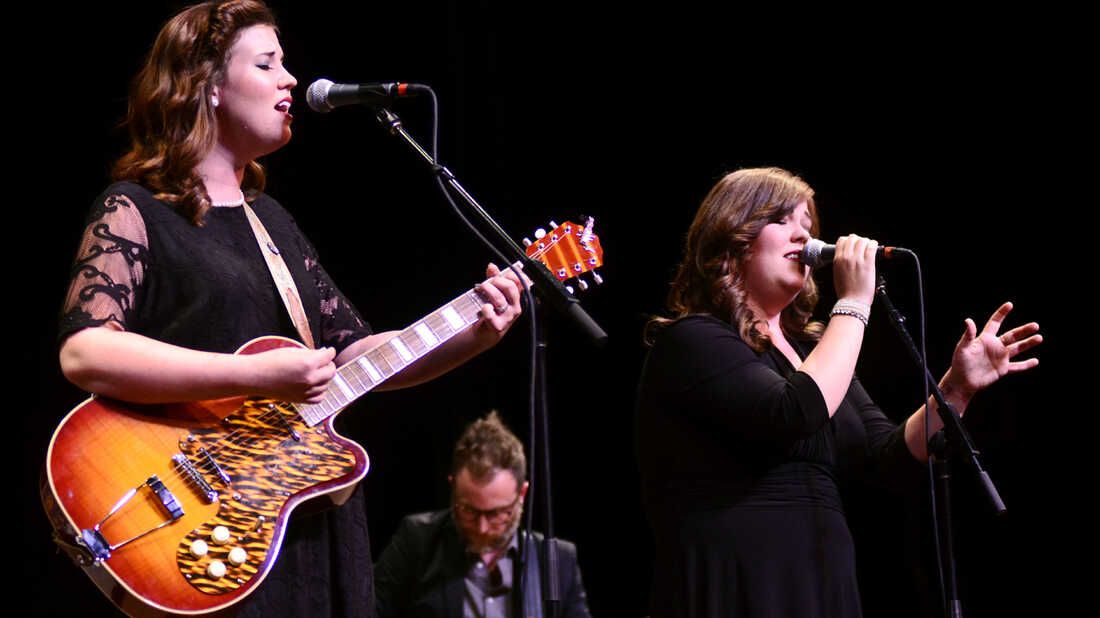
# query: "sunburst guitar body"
181,509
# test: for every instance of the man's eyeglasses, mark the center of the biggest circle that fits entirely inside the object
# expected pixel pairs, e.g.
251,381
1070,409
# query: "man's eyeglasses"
493,516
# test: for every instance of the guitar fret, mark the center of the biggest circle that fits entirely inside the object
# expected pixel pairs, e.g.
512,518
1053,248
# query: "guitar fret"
426,335
385,360
330,405
440,326
354,373
334,399
314,413
472,306
453,318
401,348
325,406
414,343
305,412
372,372
343,386
378,364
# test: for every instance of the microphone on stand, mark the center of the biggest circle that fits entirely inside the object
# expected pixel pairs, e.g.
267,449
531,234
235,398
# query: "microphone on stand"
324,96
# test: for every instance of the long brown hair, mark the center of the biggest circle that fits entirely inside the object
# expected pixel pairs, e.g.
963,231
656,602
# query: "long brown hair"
710,279
170,115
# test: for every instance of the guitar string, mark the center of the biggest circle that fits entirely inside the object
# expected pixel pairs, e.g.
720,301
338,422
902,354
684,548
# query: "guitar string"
247,438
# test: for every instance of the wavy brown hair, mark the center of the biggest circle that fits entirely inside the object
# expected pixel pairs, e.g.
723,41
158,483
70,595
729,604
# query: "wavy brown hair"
170,116
710,279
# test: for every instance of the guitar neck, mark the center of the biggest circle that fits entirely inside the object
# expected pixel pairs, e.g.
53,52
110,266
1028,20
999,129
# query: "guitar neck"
378,364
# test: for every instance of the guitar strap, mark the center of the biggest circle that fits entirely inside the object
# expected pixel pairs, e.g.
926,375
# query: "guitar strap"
283,281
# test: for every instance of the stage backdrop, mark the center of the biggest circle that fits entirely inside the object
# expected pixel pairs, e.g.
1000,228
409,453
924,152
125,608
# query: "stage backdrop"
941,133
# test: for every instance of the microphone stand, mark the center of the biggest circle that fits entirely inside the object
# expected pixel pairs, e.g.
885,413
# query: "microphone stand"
953,439
552,293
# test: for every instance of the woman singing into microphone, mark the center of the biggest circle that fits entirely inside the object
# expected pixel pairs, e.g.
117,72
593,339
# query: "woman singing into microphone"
749,411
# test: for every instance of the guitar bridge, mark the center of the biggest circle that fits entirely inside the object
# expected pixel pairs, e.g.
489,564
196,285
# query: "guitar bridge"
195,477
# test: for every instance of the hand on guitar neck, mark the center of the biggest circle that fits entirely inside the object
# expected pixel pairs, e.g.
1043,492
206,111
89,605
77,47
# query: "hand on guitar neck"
502,292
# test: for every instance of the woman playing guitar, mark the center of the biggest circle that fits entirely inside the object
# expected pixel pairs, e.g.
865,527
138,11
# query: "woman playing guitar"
170,279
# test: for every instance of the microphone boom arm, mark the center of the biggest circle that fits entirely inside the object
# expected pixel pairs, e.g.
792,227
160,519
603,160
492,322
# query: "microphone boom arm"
546,285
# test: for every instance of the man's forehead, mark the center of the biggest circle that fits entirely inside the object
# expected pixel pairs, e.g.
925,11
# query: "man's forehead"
495,482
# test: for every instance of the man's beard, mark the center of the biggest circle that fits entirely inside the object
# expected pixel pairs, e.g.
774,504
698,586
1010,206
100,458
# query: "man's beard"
499,541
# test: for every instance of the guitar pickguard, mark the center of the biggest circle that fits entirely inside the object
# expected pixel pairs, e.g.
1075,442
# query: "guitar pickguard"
269,455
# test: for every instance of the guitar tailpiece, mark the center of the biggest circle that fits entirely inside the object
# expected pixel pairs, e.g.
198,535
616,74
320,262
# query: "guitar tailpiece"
77,551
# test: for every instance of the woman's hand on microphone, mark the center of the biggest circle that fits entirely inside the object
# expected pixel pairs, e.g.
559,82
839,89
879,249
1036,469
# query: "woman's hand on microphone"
854,268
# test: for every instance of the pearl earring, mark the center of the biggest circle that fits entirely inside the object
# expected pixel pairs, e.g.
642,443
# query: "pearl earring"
214,101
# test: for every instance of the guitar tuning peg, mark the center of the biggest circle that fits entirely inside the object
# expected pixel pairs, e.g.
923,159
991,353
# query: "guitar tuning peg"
539,233
553,225
526,242
582,283
569,289
597,278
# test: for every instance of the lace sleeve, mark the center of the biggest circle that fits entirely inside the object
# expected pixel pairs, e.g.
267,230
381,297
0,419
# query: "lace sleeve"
341,324
109,267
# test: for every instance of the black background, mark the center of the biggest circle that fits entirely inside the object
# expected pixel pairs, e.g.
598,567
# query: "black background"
949,133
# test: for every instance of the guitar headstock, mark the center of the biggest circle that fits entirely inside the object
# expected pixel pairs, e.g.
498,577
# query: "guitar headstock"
568,250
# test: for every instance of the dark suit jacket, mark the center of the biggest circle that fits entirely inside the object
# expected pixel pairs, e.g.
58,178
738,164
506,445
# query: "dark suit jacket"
421,573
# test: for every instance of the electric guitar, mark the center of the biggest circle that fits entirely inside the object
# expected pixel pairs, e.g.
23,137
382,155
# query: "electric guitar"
180,509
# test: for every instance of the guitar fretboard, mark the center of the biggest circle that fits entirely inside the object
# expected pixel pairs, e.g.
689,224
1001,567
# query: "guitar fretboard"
376,365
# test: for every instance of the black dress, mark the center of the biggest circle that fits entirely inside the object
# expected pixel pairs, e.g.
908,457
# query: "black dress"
740,465
208,288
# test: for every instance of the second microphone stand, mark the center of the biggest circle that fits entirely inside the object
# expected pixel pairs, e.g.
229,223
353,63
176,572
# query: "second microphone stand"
553,294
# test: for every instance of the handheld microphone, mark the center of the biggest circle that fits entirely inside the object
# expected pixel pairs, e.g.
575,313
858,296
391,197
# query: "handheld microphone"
817,253
324,96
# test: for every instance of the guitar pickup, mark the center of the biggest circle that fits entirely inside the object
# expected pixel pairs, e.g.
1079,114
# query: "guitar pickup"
210,461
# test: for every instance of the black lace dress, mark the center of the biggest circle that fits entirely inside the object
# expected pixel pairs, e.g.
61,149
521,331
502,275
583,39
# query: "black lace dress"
144,266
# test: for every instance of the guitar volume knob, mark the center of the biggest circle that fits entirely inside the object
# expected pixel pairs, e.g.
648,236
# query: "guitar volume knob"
237,556
220,535
199,548
216,569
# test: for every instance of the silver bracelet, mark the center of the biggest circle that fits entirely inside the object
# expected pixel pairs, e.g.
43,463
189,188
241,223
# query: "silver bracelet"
853,308
854,305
